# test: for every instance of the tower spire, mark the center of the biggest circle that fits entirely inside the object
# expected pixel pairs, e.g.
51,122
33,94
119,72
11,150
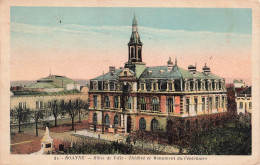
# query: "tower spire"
135,44
175,61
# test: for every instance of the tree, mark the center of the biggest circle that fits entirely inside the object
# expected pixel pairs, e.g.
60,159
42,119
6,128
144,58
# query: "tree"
81,105
36,115
21,115
56,108
70,108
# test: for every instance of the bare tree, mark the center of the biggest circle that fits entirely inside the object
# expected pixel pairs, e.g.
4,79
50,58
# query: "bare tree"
70,108
21,115
36,115
55,107
80,105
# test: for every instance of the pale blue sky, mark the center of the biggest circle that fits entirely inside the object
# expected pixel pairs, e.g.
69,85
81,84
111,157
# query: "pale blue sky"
192,19
89,40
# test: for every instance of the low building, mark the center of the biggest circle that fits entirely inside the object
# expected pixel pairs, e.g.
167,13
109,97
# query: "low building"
39,95
244,102
54,83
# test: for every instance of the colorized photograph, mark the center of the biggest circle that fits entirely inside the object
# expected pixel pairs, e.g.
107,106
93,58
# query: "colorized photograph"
130,81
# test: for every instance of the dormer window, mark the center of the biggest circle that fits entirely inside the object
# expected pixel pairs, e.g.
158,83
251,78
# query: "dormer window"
116,86
170,86
94,85
125,73
106,86
155,86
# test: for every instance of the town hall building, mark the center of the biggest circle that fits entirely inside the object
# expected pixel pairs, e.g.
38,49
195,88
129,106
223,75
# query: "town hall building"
141,98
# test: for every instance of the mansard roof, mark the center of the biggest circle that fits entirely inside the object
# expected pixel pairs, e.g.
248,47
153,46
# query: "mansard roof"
176,73
109,76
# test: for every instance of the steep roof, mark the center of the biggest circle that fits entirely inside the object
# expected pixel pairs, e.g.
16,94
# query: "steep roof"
176,73
246,91
109,76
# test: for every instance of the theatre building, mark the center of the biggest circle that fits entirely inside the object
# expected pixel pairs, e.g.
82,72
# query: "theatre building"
141,98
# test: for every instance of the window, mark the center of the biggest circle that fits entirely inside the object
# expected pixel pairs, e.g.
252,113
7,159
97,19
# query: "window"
48,145
222,102
125,73
95,85
94,118
241,105
139,53
170,105
116,102
210,103
216,103
106,86
250,105
129,103
155,104
143,103
195,86
116,120
116,86
112,86
191,86
22,105
39,104
95,101
188,105
142,124
107,122
196,104
170,86
187,86
142,87
154,125
107,102
132,52
219,85
203,104
154,86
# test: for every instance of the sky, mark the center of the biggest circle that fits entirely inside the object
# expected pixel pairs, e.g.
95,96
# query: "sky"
81,43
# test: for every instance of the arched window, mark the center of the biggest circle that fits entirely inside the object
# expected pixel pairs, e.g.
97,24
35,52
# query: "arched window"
155,104
129,102
142,103
154,125
142,124
132,52
116,102
107,101
94,118
107,120
170,105
139,53
116,120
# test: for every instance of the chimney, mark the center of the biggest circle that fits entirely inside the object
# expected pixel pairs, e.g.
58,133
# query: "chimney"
112,69
169,65
206,69
192,69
